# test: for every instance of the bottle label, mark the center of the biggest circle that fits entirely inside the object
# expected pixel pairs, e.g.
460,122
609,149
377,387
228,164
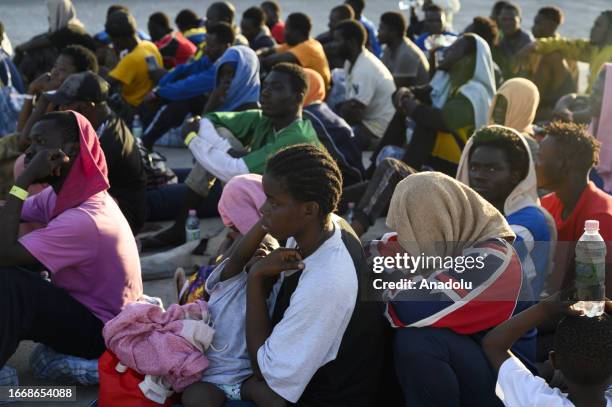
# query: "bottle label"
590,273
192,234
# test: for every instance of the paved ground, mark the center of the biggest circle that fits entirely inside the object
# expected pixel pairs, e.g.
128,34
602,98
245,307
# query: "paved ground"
160,287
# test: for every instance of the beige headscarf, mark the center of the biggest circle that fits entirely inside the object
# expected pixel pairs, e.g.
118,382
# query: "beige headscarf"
62,14
437,215
523,98
524,194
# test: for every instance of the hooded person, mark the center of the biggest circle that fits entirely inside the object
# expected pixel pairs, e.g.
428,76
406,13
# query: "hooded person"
86,245
333,131
237,73
497,163
37,56
467,281
62,14
444,115
515,105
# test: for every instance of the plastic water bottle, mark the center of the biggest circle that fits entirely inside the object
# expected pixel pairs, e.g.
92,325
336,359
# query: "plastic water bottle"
410,125
137,127
192,227
351,213
590,270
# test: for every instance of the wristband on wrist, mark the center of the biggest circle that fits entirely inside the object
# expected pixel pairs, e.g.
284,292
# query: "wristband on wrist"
190,137
19,193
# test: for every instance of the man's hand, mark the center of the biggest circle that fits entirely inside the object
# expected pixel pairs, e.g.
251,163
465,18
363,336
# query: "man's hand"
41,84
191,124
46,163
560,303
279,260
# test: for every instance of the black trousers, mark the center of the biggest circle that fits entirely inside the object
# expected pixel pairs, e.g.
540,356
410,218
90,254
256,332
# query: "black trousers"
33,309
170,116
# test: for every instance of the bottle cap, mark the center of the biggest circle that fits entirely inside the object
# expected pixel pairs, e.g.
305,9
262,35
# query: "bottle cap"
591,225
192,212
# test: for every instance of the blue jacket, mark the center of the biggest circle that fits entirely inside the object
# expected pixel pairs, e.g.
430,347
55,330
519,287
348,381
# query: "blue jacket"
188,80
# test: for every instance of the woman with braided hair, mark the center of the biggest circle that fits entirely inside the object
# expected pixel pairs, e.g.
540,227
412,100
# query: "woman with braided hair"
309,349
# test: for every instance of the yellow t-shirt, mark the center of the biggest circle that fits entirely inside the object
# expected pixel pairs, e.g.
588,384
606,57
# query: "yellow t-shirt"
133,71
310,54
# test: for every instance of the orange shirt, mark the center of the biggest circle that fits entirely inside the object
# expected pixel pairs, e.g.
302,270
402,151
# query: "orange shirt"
310,54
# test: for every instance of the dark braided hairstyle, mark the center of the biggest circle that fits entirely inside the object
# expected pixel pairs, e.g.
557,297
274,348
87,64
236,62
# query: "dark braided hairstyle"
309,174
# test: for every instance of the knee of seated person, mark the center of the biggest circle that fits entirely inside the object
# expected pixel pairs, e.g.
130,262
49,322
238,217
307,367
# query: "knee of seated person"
416,343
195,395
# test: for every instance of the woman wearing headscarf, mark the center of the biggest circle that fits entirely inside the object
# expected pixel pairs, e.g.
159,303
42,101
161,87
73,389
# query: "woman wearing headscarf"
38,54
515,105
467,281
333,131
498,164
435,121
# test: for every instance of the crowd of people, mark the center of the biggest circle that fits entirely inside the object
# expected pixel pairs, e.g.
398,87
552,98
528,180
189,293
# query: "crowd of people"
472,145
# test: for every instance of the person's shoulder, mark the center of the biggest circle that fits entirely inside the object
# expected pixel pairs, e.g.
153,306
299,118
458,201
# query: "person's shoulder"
533,219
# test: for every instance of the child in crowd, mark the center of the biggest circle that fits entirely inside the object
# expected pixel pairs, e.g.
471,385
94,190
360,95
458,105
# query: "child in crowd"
582,352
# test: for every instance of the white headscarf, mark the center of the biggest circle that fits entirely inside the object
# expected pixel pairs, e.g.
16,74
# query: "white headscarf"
479,90
62,14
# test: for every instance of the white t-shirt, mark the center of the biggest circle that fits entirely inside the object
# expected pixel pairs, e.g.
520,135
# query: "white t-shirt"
518,387
310,333
371,83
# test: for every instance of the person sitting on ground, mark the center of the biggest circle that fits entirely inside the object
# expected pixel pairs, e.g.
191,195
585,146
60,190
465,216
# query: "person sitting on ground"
238,207
497,163
486,29
582,353
86,245
103,36
231,83
513,106
445,113
336,15
279,123
600,103
565,157
298,49
407,63
71,59
513,40
36,56
596,51
272,11
132,77
436,38
369,85
373,44
87,94
438,331
253,27
192,26
314,334
554,75
221,12
334,133
173,46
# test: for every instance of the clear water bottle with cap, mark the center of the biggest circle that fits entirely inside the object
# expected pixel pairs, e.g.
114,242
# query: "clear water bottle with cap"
192,227
590,270
137,127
